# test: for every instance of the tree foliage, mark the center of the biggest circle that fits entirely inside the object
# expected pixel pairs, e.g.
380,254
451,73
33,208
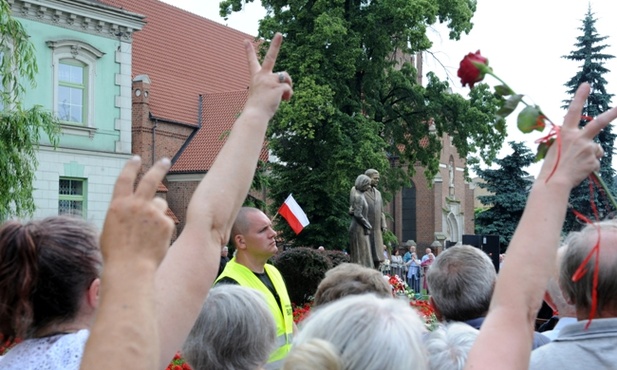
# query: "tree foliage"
508,186
20,128
588,52
358,103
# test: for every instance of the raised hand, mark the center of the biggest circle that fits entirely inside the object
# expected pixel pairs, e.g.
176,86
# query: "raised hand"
136,225
579,155
267,88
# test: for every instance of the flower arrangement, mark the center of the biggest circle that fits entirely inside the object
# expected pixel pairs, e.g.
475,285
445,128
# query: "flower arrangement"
301,312
473,68
422,306
178,363
399,286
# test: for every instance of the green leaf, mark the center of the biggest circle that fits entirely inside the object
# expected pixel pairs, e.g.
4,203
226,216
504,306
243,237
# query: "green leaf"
503,90
510,105
530,119
543,149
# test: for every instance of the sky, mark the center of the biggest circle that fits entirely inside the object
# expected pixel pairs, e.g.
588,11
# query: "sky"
524,41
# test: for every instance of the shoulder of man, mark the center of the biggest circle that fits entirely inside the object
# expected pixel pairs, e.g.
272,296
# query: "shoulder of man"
539,340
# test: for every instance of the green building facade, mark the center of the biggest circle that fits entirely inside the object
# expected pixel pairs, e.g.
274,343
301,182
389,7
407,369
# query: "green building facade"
83,51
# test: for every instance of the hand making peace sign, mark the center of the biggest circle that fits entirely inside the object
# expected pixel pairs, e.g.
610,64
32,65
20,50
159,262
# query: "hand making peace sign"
267,88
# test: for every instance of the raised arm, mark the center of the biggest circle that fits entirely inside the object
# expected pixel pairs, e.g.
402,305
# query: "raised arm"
190,267
134,240
506,334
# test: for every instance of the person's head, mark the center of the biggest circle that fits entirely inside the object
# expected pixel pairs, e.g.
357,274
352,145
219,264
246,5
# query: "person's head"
428,251
350,279
235,330
580,292
555,297
461,281
360,332
374,175
252,234
449,345
321,248
412,248
414,255
49,274
362,183
224,251
431,256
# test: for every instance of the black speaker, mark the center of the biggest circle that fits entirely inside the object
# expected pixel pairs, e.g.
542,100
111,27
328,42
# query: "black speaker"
488,243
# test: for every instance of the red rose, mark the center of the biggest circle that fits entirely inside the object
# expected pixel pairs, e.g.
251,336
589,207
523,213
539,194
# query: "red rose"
469,71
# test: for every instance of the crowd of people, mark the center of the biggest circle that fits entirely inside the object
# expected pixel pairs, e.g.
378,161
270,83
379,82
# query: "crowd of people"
125,298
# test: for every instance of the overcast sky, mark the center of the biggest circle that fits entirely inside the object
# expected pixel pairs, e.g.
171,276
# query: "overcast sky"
524,41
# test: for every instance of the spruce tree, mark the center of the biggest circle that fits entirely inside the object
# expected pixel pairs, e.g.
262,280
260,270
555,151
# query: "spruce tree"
508,186
588,52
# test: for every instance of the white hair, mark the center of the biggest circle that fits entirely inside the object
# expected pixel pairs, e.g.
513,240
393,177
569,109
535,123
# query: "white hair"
449,345
235,330
360,332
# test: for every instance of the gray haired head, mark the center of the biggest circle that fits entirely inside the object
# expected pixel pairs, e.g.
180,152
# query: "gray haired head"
461,281
360,332
235,330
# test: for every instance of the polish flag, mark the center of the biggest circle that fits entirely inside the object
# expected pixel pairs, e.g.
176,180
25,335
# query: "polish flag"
295,216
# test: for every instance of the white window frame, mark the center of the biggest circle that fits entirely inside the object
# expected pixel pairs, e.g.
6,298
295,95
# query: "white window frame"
86,54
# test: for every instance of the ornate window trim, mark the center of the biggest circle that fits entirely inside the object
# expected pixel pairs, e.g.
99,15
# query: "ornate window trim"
86,54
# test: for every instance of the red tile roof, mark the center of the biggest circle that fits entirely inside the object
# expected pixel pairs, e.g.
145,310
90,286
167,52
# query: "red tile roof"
184,55
220,111
172,215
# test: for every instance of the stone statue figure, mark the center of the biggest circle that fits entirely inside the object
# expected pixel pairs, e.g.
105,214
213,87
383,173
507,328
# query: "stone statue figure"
360,228
376,217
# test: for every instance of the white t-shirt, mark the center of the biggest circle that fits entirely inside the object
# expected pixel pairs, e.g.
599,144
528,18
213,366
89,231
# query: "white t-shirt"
62,351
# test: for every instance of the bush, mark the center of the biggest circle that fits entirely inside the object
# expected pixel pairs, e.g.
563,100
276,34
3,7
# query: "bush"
337,257
302,268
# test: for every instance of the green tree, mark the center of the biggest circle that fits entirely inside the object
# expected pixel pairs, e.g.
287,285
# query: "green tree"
20,128
358,102
588,52
509,186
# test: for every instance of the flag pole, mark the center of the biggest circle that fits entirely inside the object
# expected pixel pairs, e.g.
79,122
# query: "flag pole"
275,216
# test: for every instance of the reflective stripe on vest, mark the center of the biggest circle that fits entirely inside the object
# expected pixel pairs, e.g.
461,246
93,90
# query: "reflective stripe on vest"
284,320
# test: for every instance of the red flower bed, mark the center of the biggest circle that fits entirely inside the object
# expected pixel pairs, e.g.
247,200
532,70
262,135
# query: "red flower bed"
178,363
300,312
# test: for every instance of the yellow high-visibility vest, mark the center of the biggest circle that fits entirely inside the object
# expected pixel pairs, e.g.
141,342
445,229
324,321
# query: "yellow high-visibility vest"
284,320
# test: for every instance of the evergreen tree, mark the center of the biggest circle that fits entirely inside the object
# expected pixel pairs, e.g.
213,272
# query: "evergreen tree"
588,51
20,128
508,186
358,102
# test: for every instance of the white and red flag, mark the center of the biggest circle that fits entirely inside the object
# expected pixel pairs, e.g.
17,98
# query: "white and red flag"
295,216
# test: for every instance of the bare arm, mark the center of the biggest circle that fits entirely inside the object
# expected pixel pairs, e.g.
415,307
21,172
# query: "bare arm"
522,281
134,240
188,271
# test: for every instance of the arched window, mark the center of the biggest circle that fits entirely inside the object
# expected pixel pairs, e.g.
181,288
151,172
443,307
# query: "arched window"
74,71
72,91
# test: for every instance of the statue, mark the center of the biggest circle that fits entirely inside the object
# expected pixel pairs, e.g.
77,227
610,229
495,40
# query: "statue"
376,217
360,228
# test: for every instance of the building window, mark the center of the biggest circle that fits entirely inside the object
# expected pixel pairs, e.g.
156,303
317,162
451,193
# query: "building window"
74,67
72,197
72,91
